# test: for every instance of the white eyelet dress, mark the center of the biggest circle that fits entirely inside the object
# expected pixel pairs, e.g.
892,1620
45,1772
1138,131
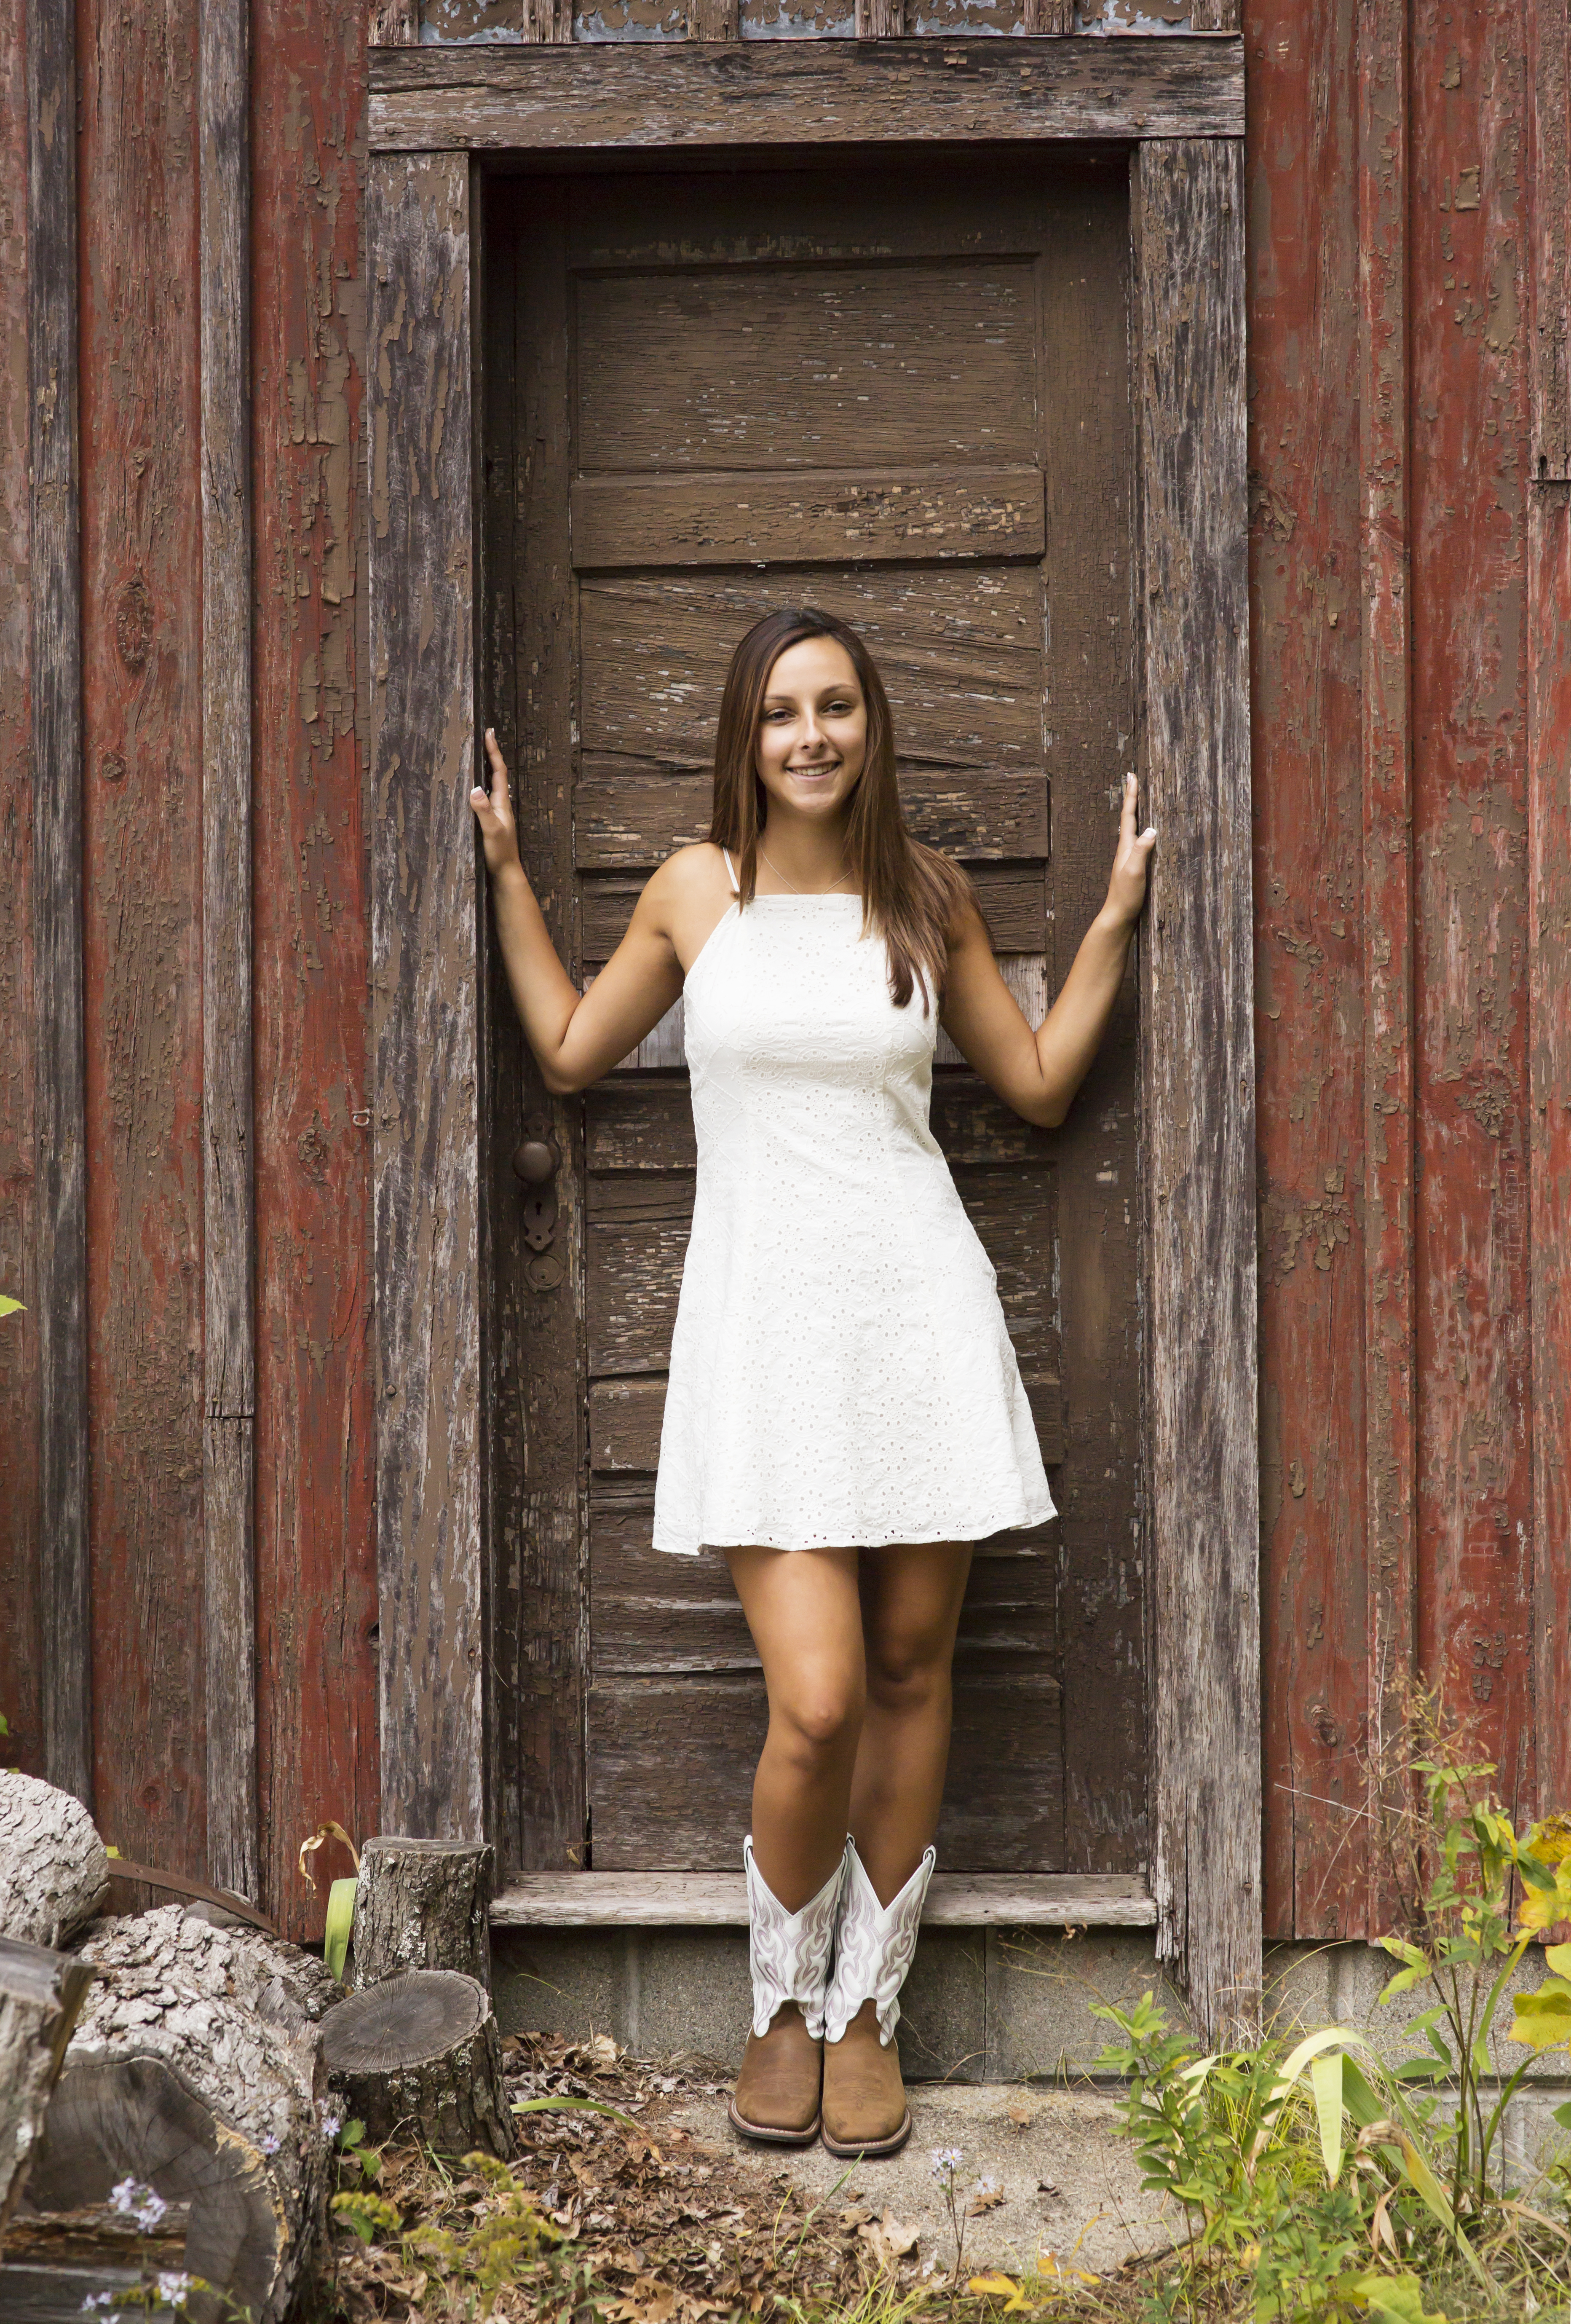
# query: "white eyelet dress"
842,1375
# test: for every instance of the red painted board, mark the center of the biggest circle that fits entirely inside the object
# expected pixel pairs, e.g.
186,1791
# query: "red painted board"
140,639
316,1517
1305,641
1468,342
20,1656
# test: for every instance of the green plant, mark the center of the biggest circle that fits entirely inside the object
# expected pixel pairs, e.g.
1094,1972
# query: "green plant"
495,2240
1459,1865
9,1306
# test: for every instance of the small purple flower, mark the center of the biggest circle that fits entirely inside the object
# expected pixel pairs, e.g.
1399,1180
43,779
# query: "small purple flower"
269,2144
332,2124
174,2287
946,2162
127,2194
150,2213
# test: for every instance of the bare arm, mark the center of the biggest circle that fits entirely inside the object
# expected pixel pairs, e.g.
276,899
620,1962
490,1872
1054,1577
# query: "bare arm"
576,1036
1038,1072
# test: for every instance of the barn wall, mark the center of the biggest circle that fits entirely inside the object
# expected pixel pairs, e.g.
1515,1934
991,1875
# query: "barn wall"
1411,580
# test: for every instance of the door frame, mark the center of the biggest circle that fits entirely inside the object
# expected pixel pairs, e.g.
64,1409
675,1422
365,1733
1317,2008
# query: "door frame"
1175,104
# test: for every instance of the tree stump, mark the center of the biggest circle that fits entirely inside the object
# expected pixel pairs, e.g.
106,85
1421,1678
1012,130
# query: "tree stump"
196,2070
41,1993
420,2051
54,1869
421,1904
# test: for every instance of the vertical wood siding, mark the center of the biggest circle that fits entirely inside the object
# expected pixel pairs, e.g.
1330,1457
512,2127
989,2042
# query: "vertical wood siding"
1473,1301
141,436
315,1522
20,1655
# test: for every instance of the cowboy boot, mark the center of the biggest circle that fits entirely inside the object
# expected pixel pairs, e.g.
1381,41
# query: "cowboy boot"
864,2099
777,2094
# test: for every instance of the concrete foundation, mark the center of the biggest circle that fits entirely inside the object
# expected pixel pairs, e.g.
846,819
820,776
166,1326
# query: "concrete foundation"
982,2006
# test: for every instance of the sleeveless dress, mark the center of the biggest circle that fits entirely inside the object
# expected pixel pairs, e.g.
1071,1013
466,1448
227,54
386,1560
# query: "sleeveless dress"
841,1375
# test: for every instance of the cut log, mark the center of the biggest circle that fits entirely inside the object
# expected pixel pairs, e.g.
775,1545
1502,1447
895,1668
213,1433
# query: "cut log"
420,2051
421,1904
54,1869
41,1993
196,2070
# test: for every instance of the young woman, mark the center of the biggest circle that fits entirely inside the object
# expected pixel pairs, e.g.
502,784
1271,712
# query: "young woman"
845,1416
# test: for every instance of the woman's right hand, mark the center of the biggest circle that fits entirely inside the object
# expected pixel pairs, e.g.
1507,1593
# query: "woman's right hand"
493,811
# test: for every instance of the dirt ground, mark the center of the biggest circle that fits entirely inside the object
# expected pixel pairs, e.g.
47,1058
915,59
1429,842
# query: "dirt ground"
674,2219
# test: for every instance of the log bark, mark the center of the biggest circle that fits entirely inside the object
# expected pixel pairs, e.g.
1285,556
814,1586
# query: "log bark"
196,2069
421,1904
41,1993
54,1869
421,2050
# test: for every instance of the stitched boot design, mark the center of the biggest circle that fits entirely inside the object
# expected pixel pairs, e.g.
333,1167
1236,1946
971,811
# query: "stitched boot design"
789,1952
873,1944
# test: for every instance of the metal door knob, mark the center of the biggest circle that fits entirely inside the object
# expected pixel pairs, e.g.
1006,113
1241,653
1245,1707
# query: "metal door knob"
535,1161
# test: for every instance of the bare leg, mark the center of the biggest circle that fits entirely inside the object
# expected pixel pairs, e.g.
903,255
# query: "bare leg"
804,1612
910,1606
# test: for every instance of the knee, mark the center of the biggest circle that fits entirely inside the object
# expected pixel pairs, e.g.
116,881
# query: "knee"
821,1717
906,1669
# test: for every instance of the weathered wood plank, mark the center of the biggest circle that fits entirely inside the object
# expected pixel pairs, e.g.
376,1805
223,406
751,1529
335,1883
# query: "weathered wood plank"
1090,716
22,1653
1390,1353
920,360
538,1443
1549,660
229,1144
316,1511
817,518
1549,1156
60,1099
425,1028
682,94
1306,517
635,819
1472,889
1198,1074
719,1900
959,647
142,902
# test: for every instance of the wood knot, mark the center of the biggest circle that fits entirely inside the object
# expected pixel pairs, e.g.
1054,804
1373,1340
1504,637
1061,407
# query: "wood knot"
133,624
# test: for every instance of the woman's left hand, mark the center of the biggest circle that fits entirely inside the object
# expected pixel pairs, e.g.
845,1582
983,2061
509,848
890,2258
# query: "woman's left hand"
1126,886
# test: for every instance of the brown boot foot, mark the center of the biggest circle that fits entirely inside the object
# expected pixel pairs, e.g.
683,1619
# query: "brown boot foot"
864,2099
776,2096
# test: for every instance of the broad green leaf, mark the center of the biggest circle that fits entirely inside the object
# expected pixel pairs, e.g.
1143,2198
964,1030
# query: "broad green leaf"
1562,2114
9,1306
1325,2077
1542,2020
340,1920
1557,1959
1397,2298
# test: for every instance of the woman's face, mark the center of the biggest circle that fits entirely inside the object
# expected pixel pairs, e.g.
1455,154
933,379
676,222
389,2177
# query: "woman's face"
812,731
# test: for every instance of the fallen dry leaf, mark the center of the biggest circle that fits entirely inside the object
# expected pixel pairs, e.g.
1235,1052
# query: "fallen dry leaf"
1020,2113
890,2238
986,2199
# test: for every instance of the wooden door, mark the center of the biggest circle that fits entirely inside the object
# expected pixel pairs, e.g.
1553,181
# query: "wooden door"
905,398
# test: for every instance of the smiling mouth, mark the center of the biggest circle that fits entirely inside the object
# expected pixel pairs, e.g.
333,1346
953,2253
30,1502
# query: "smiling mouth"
827,767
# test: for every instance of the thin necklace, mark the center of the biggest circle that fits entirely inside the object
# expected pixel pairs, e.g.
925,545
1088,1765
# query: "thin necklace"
795,891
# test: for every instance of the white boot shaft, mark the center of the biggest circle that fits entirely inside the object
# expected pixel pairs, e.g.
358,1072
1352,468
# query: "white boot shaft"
789,1953
873,1947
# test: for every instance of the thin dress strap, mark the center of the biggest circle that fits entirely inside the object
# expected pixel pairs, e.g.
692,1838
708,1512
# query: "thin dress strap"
731,871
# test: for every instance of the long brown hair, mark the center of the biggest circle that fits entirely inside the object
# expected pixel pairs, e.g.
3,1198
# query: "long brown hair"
910,893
